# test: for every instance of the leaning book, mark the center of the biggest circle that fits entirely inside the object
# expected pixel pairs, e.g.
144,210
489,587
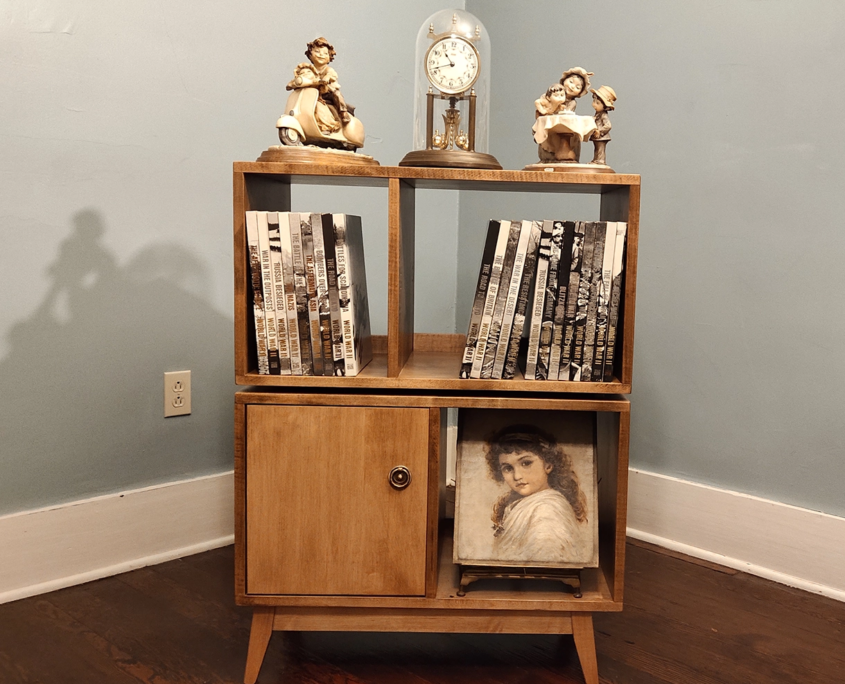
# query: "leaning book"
480,297
490,298
353,303
615,300
522,302
255,281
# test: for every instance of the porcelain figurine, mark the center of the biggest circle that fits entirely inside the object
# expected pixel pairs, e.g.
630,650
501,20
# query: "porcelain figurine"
316,113
318,125
603,102
558,130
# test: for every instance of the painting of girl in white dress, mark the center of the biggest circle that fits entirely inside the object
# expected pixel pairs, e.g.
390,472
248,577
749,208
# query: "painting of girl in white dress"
526,489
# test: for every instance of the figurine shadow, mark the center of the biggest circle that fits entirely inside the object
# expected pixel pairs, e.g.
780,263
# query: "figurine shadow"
82,406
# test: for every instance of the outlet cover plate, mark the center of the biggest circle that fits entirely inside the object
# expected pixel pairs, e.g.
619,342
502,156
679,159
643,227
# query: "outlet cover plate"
177,393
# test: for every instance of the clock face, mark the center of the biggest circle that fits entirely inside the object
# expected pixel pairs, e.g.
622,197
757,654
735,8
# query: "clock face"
452,65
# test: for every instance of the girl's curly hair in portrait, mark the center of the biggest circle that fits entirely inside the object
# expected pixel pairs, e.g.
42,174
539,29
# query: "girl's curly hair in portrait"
529,438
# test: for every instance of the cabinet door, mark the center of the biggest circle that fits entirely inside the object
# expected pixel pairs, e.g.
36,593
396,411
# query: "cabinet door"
321,514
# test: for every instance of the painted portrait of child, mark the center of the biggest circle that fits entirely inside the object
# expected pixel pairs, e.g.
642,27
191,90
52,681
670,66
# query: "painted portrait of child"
526,490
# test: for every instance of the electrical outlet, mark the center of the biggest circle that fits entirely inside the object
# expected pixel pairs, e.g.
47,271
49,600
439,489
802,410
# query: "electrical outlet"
177,393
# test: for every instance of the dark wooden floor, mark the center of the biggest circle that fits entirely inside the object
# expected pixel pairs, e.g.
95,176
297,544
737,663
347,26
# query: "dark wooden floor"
684,622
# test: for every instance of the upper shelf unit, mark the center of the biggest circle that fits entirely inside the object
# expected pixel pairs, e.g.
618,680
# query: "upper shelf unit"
405,359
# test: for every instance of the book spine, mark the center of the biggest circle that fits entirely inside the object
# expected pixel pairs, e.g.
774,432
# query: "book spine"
334,307
480,297
493,337
592,306
547,330
490,298
522,301
290,294
575,259
357,339
269,295
560,304
583,300
615,300
512,297
540,281
604,300
279,292
323,296
344,294
255,281
307,224
300,291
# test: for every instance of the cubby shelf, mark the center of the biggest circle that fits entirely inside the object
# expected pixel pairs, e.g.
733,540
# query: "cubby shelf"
407,359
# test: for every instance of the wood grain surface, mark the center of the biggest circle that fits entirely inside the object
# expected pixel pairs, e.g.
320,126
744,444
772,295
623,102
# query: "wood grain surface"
321,515
614,404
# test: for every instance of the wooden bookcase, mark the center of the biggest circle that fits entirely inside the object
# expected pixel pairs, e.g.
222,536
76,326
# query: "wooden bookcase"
347,551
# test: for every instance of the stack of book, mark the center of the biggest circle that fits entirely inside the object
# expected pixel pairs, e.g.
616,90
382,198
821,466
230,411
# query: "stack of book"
309,288
557,283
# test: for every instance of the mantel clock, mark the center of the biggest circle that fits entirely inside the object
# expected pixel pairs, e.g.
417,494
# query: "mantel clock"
452,94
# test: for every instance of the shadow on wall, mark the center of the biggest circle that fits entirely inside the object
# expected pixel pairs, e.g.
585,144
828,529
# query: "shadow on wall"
82,406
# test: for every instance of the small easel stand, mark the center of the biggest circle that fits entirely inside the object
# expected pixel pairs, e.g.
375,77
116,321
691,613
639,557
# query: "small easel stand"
571,579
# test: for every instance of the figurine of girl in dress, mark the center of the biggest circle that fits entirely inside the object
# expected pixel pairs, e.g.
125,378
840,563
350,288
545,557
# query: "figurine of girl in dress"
543,518
603,100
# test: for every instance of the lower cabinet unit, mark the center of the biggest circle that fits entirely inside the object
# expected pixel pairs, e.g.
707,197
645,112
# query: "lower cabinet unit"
340,525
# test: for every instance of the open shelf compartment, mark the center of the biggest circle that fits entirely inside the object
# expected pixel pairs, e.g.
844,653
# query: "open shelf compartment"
408,360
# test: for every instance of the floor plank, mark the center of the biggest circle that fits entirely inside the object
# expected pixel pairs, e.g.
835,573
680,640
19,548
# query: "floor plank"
685,622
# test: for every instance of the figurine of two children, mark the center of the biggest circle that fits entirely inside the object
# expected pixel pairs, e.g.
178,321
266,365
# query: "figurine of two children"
559,132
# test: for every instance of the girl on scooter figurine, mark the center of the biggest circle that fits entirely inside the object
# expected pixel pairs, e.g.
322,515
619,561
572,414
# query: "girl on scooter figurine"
332,111
316,113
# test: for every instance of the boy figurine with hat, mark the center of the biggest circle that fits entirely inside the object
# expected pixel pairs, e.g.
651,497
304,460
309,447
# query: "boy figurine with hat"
603,100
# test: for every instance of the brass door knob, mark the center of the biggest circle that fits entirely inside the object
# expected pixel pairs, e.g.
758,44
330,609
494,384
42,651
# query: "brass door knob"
400,477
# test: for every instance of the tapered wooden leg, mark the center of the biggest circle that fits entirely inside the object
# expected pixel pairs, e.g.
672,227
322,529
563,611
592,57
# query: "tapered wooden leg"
585,644
259,637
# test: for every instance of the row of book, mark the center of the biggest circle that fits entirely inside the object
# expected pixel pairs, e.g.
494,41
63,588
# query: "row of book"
558,283
309,288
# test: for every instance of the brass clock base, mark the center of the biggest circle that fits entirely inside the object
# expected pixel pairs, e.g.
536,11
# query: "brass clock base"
315,155
450,159
569,167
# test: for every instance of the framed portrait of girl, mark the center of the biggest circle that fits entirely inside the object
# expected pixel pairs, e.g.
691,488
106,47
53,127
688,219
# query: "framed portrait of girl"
526,489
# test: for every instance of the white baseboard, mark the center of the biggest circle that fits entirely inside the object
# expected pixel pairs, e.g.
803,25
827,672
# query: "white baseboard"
59,546
787,544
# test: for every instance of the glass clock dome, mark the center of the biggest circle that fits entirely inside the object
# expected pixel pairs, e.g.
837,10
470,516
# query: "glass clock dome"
452,93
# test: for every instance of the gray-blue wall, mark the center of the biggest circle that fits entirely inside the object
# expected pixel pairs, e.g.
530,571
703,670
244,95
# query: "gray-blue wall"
729,110
120,123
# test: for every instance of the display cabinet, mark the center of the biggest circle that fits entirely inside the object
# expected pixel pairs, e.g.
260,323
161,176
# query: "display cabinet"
340,480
